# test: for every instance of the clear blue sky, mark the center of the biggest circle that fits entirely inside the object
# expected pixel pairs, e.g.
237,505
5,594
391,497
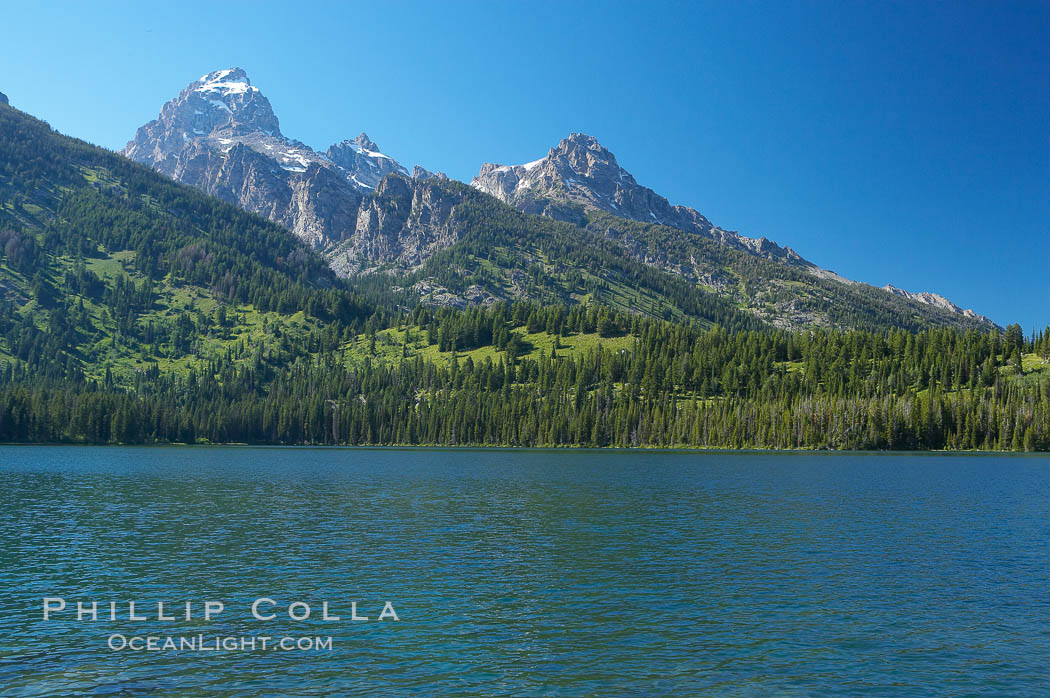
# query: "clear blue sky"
904,143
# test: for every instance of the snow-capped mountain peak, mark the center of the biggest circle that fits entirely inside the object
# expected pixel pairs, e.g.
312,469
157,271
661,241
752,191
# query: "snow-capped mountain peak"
223,109
363,143
363,162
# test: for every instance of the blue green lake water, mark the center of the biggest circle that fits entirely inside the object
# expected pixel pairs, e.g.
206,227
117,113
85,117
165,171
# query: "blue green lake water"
529,572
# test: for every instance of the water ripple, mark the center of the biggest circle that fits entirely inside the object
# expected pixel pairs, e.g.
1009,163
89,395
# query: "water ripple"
533,573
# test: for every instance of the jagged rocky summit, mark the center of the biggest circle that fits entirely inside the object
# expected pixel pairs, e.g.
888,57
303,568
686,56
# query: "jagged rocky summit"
579,170
3,99
221,135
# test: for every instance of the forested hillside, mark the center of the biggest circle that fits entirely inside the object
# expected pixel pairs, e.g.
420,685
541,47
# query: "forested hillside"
136,310
107,267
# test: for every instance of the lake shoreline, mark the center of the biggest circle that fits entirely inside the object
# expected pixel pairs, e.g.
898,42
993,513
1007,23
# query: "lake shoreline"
539,449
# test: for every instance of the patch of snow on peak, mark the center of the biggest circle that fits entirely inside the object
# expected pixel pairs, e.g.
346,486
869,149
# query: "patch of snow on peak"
217,82
358,182
219,104
217,75
530,165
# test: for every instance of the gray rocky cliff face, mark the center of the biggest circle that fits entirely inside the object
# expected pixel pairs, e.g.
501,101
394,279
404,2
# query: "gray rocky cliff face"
399,227
220,134
239,175
3,99
580,171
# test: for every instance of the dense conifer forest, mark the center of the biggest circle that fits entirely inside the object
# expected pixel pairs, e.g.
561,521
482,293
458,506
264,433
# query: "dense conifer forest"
668,386
136,310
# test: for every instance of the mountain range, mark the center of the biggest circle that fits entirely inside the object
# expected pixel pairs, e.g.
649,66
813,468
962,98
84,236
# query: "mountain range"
137,309
571,227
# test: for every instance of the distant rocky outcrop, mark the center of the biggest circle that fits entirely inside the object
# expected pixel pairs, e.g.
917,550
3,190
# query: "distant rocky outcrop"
936,300
421,173
3,98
